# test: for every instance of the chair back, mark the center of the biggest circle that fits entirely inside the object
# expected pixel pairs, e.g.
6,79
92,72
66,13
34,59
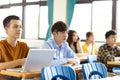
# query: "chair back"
92,58
94,71
58,72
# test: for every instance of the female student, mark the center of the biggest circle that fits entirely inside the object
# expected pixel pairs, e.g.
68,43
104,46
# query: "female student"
74,41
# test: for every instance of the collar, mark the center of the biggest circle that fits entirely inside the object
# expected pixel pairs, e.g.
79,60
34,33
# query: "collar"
56,46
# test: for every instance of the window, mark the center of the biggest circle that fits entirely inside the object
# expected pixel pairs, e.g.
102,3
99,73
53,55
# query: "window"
32,0
15,1
81,21
2,2
118,20
101,19
43,21
31,21
95,16
8,11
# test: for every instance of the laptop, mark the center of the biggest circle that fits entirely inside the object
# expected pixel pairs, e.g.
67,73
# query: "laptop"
36,60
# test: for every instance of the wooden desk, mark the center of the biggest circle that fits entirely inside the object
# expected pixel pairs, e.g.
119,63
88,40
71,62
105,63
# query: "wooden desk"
117,63
27,75
21,74
82,57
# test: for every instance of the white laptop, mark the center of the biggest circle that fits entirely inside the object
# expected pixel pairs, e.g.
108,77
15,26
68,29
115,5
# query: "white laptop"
36,60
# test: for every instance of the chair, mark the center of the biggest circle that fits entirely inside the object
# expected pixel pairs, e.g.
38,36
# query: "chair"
55,72
92,58
116,70
94,71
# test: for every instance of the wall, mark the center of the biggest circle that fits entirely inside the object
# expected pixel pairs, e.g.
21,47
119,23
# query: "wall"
32,43
38,43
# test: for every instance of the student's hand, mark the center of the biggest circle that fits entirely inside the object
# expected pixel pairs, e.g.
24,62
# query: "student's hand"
71,61
22,61
117,43
78,40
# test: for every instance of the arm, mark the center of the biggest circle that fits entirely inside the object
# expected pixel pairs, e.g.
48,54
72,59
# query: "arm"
72,61
55,61
71,57
11,64
61,56
117,43
79,48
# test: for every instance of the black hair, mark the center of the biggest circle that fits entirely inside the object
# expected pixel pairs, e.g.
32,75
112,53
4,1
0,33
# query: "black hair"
59,27
109,33
7,20
88,34
70,39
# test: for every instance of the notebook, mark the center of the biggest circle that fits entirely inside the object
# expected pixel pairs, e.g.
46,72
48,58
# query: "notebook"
36,60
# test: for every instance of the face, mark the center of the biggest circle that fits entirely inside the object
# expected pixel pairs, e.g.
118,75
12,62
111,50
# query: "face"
14,29
91,38
111,39
60,36
75,37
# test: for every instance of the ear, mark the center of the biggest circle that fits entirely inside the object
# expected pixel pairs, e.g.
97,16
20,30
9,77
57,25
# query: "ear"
107,39
54,33
6,28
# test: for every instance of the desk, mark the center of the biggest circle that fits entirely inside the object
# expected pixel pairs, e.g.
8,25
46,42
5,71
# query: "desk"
82,57
20,74
116,63
110,78
27,75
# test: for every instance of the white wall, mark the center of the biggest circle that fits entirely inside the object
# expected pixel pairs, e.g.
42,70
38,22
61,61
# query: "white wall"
32,43
39,43
59,10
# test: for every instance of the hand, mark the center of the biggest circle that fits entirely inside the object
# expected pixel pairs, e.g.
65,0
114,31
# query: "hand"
117,43
71,61
22,61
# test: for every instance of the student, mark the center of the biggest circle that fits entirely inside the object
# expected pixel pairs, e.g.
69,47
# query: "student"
89,46
109,50
74,41
12,51
64,53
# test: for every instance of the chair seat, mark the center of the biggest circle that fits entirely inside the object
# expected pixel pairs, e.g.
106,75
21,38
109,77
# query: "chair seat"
94,71
53,72
116,70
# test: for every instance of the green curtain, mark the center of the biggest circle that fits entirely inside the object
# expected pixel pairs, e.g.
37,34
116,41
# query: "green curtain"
50,18
70,10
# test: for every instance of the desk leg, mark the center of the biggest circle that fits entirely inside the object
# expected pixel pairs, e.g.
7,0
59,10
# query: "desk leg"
79,76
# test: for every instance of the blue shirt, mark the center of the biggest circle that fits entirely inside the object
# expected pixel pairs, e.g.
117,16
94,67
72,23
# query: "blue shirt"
62,52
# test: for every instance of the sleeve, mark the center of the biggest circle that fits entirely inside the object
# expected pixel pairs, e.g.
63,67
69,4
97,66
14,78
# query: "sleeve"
0,55
59,61
71,54
118,51
46,46
1,51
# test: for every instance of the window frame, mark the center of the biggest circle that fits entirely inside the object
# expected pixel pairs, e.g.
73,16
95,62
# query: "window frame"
44,3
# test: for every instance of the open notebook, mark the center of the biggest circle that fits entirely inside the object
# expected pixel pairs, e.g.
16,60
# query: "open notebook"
36,59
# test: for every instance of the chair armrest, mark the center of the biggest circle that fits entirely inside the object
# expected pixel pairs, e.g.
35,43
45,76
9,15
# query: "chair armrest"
95,73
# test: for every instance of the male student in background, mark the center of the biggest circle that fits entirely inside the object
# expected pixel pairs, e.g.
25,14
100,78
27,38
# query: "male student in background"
109,51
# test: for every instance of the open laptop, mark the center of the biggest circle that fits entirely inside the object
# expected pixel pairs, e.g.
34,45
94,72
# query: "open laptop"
36,60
